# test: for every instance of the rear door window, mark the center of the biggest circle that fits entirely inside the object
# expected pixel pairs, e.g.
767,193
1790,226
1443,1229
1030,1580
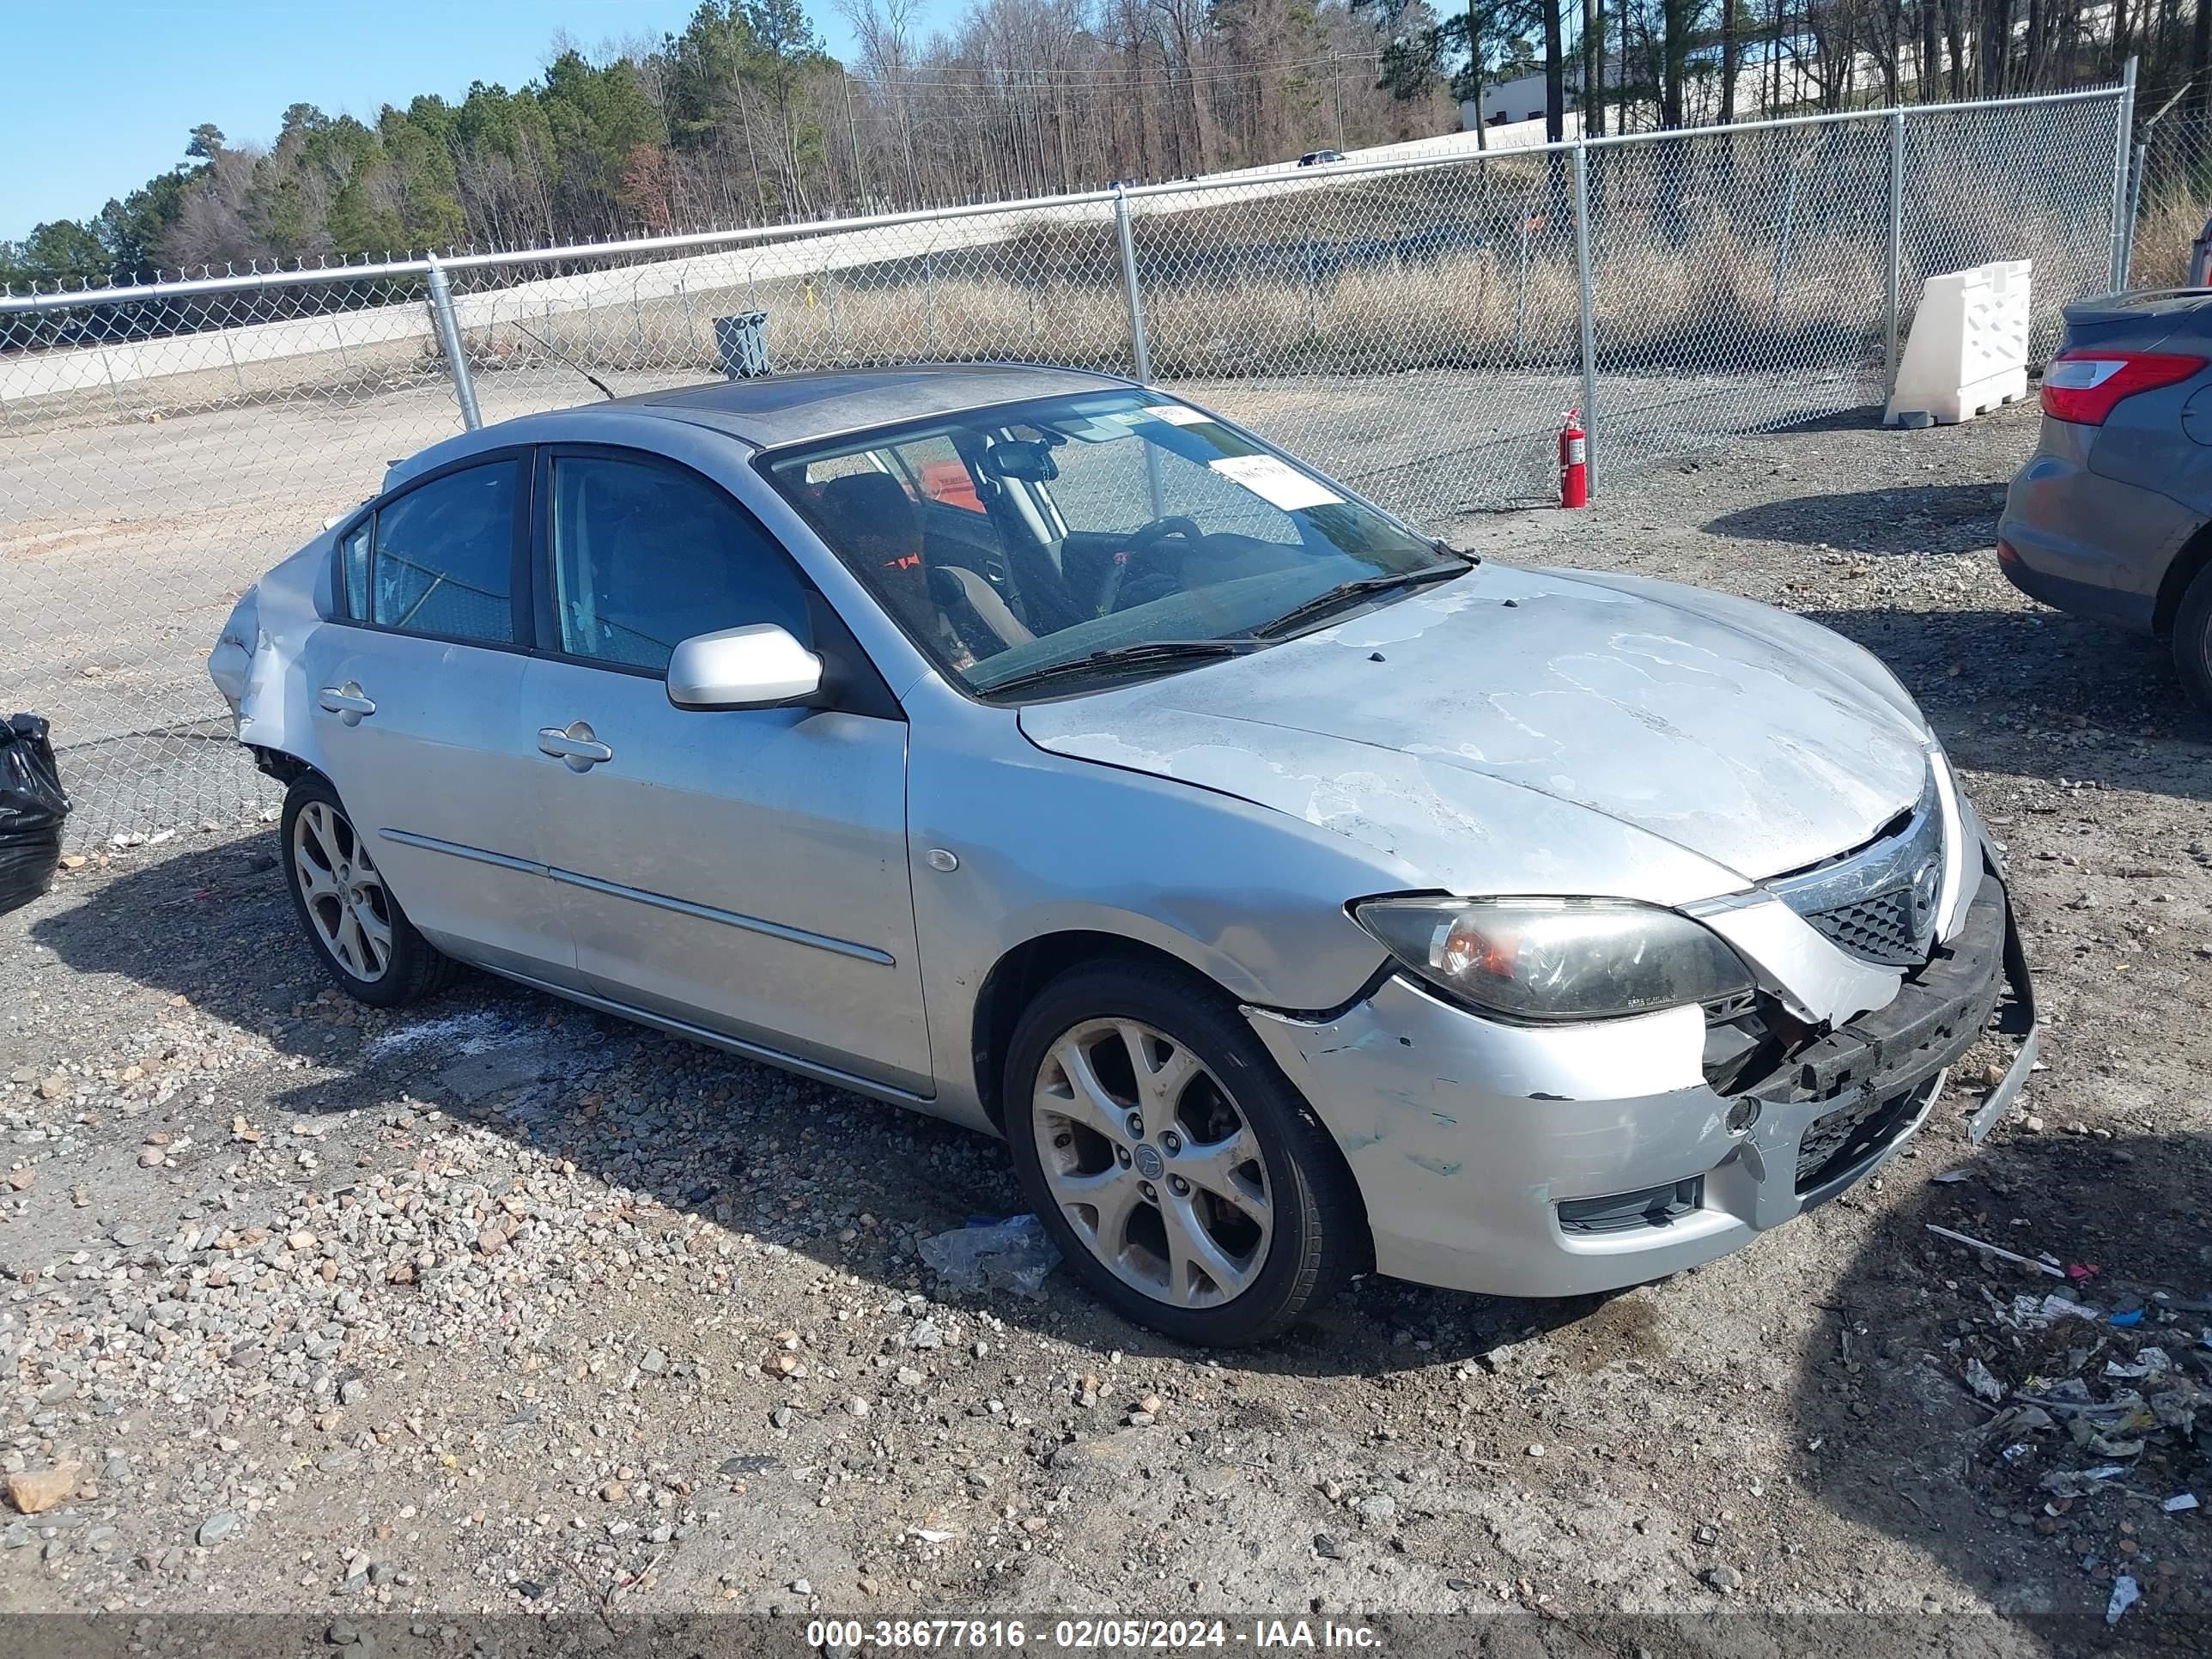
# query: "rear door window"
443,558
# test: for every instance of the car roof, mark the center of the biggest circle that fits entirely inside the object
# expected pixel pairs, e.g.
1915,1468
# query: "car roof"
783,409
779,409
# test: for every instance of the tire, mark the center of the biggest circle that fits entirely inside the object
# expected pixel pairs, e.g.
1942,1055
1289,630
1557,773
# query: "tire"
1278,1230
354,923
2192,640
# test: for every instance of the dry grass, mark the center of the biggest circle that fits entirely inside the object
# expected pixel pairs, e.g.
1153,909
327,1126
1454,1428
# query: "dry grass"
1695,275
2166,227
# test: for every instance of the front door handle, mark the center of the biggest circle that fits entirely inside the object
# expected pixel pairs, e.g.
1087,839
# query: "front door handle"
346,701
577,747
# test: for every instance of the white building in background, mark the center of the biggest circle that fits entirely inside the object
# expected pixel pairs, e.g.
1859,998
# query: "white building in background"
1505,102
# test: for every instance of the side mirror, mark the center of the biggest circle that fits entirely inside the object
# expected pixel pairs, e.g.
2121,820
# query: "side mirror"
759,665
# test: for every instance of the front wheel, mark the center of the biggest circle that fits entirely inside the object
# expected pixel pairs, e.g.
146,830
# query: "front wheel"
1183,1178
2192,640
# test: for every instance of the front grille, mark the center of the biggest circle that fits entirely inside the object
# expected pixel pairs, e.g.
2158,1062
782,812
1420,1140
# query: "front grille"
1877,929
1879,902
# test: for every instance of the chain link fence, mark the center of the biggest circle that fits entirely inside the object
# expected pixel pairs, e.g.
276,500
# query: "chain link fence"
2174,193
1416,328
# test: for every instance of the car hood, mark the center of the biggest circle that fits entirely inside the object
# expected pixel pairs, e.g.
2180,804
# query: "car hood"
1720,729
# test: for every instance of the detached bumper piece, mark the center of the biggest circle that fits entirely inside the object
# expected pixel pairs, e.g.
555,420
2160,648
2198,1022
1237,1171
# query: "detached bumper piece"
1880,1071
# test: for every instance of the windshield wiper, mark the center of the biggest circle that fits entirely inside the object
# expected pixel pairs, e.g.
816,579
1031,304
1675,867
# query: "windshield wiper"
1344,592
1139,652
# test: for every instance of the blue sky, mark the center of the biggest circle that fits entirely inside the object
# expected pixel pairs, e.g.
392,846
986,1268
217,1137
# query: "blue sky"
97,101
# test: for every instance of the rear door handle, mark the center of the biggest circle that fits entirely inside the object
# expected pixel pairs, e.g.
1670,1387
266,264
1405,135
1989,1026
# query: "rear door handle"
577,746
346,701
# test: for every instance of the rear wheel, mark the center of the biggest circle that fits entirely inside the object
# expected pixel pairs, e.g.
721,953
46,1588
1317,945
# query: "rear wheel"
352,919
2192,640
1185,1181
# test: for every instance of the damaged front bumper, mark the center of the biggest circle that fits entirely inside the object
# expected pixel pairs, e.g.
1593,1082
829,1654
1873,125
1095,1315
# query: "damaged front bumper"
1558,1161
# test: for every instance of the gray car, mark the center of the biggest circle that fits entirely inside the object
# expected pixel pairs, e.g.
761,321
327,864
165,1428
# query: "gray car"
1294,893
2112,516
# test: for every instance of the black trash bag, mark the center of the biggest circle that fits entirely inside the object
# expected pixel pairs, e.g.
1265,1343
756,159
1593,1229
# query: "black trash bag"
32,808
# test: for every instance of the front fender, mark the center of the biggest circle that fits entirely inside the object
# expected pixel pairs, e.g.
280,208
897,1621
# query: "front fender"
1046,844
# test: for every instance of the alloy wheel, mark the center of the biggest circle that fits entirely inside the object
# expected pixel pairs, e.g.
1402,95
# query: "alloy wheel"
342,892
1152,1163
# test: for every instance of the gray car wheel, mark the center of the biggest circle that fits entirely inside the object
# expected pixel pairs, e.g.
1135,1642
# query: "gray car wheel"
1185,1181
351,917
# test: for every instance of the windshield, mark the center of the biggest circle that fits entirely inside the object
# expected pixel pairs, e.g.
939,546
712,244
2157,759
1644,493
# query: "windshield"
1025,536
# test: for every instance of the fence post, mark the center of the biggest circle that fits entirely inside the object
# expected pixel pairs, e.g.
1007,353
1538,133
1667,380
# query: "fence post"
1521,298
1895,315
2123,228
1139,351
449,342
929,291
1589,311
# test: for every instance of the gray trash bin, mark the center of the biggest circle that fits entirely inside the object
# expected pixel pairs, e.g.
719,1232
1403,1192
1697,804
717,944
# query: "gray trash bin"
742,342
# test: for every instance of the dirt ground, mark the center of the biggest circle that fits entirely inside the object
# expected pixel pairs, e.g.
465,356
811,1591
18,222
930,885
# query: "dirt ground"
498,1307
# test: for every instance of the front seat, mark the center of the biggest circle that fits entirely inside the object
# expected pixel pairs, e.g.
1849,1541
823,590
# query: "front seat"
869,517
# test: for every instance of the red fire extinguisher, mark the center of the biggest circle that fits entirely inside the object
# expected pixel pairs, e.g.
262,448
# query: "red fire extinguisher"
1574,462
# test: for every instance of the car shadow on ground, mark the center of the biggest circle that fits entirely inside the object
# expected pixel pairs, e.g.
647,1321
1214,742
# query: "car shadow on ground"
2040,694
1915,519
1908,1416
847,1182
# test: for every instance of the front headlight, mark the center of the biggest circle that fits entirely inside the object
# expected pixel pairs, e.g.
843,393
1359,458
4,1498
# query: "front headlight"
1557,958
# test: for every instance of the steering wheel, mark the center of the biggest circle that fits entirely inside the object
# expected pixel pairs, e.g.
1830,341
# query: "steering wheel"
1142,541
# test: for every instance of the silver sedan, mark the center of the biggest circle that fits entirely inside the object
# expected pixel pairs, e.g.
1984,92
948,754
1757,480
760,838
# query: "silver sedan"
1294,893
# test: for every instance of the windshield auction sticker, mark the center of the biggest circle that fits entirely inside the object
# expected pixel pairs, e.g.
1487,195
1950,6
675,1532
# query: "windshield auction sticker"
1276,482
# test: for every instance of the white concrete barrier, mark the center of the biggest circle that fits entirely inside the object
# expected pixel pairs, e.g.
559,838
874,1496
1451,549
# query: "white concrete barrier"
1968,349
29,375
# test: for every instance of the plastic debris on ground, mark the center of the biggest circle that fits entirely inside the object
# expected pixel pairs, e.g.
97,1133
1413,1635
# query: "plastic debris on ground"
1013,1254
1998,1251
32,808
1984,1385
2125,1594
2178,1502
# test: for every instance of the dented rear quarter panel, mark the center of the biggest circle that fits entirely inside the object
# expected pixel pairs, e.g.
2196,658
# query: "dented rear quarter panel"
258,663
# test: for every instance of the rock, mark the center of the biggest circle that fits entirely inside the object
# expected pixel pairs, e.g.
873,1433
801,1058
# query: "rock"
800,1587
654,1362
924,1335
216,1527
909,1377
302,1240
150,1157
19,1180
1536,1449
351,1390
780,1418
856,1406
1150,1405
36,1490
342,1633
1377,1509
614,1492
491,1241
1327,1547
1725,1579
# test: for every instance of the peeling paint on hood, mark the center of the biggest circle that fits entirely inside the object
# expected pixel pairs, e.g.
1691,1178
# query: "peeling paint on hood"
1747,736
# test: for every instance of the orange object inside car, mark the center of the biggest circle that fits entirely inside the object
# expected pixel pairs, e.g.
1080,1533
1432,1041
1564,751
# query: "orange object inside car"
950,484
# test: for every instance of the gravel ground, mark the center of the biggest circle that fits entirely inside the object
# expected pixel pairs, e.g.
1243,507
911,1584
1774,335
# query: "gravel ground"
498,1306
